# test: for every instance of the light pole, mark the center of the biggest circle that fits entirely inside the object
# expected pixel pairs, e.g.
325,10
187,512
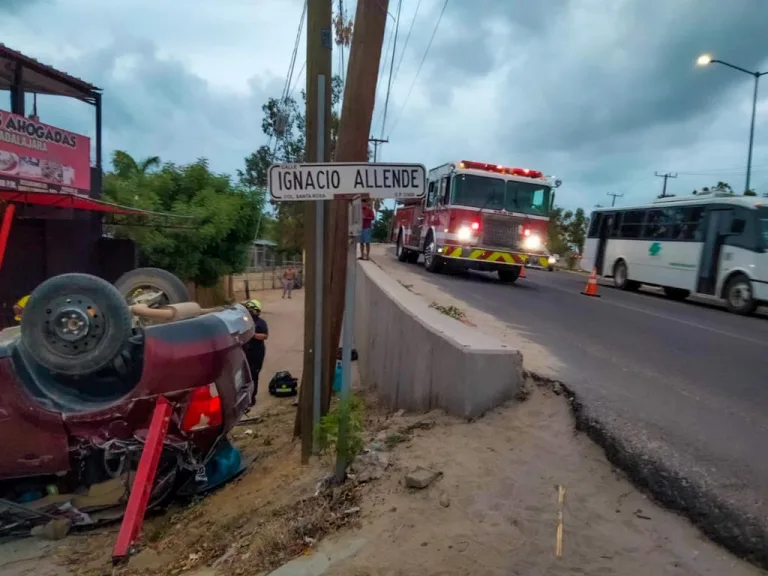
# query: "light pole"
706,60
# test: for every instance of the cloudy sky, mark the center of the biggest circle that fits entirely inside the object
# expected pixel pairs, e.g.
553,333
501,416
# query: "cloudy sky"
601,93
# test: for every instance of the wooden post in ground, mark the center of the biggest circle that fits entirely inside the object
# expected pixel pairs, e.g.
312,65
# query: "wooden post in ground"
319,44
352,146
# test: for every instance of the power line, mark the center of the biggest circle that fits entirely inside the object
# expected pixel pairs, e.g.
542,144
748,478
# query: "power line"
407,38
391,67
418,71
298,77
666,177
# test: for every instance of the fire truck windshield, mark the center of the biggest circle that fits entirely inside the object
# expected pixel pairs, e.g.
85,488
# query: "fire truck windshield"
498,194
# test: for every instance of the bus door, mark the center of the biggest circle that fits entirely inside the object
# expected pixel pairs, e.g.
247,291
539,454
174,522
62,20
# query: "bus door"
717,226
603,233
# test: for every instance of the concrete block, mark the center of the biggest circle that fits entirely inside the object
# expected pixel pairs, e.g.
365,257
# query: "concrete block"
418,359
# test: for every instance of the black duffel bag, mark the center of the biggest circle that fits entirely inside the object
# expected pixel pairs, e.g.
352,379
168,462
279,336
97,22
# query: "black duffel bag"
283,385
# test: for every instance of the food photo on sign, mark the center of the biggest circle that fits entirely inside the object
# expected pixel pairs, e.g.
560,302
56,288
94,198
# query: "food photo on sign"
31,150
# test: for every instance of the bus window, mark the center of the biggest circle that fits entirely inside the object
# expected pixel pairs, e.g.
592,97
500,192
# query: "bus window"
616,224
742,230
660,223
687,226
594,225
632,223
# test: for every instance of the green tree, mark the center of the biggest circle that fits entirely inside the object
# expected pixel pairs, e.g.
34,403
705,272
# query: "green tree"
126,166
380,229
567,231
215,222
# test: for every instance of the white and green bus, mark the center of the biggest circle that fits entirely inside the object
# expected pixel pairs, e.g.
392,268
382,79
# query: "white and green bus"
713,245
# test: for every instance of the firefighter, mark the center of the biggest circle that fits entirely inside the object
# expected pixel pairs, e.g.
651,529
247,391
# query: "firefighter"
18,308
255,349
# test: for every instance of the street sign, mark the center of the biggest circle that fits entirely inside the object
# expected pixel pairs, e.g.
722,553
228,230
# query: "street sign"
332,180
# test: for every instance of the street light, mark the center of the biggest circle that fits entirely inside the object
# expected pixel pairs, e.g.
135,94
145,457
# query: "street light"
705,60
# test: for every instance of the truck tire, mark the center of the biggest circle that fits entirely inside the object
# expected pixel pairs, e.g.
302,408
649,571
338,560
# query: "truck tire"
173,289
75,324
432,262
400,251
509,274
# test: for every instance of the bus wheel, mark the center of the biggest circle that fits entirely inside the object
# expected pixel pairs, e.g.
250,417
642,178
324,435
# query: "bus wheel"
432,262
509,275
621,277
400,251
676,293
739,297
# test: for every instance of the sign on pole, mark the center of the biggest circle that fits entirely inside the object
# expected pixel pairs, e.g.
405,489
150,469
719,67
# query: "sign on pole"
333,180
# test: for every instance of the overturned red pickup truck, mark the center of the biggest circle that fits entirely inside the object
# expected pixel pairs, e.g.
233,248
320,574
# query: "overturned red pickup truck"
80,378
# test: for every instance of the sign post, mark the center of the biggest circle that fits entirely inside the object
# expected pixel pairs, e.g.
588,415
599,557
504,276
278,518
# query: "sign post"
317,182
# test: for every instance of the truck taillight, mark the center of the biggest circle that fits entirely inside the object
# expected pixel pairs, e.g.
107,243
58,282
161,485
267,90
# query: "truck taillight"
204,409
475,226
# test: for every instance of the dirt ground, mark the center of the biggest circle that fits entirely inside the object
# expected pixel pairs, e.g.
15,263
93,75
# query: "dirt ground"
493,509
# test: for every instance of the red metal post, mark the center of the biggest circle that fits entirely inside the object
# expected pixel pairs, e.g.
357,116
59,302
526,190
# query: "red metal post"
142,484
5,229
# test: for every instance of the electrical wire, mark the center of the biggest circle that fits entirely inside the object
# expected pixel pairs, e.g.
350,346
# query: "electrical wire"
391,66
407,38
418,71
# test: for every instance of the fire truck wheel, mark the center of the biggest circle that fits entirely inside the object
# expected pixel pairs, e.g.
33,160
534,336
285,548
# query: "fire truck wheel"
509,275
402,253
432,262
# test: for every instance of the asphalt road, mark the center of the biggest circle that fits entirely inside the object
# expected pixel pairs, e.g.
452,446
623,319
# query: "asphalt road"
683,382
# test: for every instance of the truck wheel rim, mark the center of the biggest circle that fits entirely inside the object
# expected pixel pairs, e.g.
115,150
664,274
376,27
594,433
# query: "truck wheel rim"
429,253
621,275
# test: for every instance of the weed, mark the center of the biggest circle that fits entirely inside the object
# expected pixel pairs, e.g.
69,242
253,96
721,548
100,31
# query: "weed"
452,311
327,431
393,439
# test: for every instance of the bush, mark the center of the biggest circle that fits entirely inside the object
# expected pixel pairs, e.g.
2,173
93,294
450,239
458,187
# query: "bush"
327,432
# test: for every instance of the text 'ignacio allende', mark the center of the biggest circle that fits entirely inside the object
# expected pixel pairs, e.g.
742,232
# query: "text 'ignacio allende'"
365,178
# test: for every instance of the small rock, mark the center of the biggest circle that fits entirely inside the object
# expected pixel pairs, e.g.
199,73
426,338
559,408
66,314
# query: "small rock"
444,500
421,478
248,432
55,529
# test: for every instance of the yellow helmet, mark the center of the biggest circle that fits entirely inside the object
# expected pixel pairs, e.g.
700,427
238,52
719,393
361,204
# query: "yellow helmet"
253,305
18,308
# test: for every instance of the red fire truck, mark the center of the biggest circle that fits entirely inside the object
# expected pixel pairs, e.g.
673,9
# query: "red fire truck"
478,216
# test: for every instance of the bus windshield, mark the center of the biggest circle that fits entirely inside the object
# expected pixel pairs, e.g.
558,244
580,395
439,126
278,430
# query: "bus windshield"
497,194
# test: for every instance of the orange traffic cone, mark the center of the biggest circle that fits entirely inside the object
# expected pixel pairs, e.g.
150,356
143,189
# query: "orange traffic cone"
522,271
591,289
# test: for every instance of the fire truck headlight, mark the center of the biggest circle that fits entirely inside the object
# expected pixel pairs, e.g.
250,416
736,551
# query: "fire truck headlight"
464,234
552,260
532,242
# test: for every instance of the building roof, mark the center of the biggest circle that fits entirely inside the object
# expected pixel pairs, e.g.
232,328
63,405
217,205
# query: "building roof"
41,78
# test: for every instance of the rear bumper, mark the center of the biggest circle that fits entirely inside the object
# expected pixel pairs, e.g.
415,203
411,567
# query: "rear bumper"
482,257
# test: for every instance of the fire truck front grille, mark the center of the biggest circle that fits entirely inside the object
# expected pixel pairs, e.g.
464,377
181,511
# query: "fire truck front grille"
500,232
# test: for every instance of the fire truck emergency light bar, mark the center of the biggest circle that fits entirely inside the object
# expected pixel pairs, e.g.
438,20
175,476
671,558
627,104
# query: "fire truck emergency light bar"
499,169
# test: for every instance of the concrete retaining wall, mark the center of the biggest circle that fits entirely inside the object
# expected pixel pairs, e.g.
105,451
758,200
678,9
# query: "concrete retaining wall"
420,359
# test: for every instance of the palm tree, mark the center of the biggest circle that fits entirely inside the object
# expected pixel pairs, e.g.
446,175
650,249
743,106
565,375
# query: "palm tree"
126,165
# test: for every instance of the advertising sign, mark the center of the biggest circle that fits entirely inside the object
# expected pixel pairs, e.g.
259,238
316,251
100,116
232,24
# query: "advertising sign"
36,157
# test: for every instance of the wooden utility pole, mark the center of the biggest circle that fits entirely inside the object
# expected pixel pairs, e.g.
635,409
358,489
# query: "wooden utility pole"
666,177
319,45
352,146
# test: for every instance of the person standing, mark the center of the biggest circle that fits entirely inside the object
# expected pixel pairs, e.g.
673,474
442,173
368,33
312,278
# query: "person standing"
365,234
289,278
255,349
